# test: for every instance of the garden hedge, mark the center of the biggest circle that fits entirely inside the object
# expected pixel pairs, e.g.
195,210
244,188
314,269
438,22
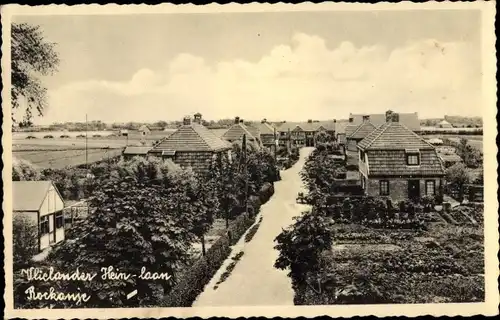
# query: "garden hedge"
239,226
265,193
193,282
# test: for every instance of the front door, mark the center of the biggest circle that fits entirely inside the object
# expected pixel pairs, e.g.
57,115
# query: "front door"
413,189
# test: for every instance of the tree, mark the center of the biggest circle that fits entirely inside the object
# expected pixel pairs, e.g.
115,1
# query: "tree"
300,246
31,55
24,240
457,177
23,170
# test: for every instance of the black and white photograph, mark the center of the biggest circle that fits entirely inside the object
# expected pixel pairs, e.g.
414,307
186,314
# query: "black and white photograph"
180,159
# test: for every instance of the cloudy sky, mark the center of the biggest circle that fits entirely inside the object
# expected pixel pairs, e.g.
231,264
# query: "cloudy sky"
286,65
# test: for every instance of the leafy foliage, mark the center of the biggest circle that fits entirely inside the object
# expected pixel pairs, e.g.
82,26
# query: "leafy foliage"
24,240
31,55
457,176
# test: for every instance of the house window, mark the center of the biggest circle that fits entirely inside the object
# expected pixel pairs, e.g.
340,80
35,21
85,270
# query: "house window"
59,220
384,187
413,159
44,225
430,187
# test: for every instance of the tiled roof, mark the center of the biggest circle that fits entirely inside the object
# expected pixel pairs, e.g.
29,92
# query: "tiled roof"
393,163
254,131
192,137
349,129
237,131
450,157
265,128
393,136
410,120
29,195
136,150
362,131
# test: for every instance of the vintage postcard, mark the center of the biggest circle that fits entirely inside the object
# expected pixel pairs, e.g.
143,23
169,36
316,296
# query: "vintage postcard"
250,160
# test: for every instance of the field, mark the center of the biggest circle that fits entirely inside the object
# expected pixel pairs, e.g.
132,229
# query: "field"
475,141
60,152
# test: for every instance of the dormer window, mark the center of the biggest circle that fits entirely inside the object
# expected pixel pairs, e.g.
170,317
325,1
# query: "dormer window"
412,157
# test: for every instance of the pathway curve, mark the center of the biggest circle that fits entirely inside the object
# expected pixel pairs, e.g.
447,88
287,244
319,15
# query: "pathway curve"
254,281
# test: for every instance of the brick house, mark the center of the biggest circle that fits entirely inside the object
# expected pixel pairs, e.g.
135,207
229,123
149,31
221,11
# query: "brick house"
192,145
238,129
303,134
42,204
354,134
267,134
396,162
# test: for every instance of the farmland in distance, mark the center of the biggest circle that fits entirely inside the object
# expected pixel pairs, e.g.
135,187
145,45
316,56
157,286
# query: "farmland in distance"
58,153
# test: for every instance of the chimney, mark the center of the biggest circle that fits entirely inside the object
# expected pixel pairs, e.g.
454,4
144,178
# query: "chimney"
351,119
309,121
264,120
241,120
236,119
395,117
334,120
197,118
388,116
366,118
187,121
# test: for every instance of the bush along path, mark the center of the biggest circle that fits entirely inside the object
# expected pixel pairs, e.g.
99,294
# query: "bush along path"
254,280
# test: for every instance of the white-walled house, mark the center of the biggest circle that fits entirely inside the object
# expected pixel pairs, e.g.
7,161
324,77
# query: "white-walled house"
41,202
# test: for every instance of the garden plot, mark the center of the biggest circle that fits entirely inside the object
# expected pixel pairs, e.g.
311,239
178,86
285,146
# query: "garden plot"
444,263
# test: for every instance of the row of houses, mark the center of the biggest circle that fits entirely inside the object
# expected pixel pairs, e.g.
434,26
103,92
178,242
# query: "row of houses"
194,145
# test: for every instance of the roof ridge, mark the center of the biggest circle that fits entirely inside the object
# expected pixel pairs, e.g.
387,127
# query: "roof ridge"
359,128
194,127
245,128
388,124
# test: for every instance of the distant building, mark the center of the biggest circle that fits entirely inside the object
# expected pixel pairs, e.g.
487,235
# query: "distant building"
133,151
354,134
40,202
304,133
410,120
268,134
238,129
444,124
123,132
192,145
144,130
396,162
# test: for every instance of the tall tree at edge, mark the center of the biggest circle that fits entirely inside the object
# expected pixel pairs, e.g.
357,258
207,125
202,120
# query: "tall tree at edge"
31,55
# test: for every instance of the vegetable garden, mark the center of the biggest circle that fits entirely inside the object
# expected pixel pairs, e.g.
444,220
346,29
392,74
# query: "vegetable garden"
354,249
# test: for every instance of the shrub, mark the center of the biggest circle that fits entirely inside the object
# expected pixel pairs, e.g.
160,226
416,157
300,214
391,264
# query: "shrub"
64,136
193,282
266,191
24,241
251,233
239,227
30,137
49,136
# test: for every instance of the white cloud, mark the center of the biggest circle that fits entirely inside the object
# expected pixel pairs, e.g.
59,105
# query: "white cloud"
302,80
